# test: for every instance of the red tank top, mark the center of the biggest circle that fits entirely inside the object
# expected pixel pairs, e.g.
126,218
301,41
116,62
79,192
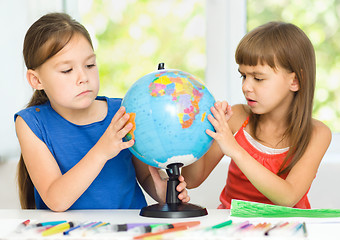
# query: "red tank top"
239,187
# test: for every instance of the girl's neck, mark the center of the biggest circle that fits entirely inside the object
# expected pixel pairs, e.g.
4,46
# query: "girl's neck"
271,131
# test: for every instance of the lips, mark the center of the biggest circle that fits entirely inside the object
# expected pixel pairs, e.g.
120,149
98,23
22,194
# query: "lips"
251,102
84,93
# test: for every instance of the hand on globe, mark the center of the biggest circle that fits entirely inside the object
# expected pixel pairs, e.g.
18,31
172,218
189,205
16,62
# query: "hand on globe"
110,143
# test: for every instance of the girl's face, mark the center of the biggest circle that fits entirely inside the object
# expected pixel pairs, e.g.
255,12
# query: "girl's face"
266,90
70,78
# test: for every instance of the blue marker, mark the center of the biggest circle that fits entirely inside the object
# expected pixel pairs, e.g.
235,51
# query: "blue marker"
80,226
52,223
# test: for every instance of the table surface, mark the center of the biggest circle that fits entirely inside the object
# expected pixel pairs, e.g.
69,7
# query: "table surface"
326,228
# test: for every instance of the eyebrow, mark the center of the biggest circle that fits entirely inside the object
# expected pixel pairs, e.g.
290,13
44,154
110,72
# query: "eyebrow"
251,73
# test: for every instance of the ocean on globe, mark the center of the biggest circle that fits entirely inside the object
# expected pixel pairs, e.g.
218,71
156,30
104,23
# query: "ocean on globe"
168,109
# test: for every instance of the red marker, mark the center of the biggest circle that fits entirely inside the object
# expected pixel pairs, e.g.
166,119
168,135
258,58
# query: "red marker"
22,226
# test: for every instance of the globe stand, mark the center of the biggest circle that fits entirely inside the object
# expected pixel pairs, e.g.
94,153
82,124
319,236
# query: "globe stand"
173,208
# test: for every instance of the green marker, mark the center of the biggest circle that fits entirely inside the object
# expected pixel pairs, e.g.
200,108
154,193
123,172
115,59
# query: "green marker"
220,225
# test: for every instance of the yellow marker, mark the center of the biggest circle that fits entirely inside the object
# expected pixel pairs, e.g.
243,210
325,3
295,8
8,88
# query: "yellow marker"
58,228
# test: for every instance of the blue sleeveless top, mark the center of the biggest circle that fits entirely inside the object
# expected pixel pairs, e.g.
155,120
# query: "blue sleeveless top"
116,186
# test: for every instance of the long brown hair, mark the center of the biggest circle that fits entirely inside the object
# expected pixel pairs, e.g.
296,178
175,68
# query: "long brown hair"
45,38
285,45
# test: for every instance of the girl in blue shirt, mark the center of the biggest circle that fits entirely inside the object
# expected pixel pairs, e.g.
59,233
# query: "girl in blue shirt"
73,155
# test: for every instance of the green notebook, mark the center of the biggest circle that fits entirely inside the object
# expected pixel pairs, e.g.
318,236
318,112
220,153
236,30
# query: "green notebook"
246,209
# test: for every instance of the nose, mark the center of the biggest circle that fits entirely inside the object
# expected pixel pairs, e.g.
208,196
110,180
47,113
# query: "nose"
82,76
246,85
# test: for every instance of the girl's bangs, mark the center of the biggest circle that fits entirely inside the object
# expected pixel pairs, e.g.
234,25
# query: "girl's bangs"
254,51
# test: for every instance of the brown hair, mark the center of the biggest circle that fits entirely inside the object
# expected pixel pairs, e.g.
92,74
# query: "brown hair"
285,45
45,38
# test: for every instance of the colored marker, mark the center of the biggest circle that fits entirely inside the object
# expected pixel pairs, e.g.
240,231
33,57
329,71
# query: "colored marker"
304,228
246,226
128,226
284,224
93,227
266,233
153,234
180,226
148,228
58,228
220,225
297,228
161,227
100,226
82,225
242,225
188,224
41,229
21,226
267,225
260,225
97,229
45,224
67,232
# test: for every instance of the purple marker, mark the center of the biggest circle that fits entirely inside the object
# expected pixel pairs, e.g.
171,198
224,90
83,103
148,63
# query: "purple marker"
243,225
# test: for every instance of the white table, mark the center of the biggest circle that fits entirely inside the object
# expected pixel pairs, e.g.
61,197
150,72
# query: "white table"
9,220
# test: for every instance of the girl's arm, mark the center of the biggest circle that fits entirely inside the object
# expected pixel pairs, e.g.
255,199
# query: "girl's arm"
285,192
154,184
198,171
59,191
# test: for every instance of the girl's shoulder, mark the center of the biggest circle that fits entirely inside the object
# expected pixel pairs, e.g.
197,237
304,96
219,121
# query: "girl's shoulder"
240,114
321,130
33,111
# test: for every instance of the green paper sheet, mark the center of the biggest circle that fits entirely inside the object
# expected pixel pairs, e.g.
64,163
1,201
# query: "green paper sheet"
248,209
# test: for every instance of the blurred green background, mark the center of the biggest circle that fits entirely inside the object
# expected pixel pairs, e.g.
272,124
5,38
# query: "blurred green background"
131,37
320,20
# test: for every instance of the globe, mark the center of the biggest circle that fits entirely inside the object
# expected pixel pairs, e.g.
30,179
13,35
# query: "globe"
168,109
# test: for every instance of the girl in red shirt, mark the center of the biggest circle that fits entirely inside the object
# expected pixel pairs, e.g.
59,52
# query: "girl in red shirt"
274,143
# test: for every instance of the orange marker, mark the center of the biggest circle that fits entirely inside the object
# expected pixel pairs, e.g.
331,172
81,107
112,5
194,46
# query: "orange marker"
181,226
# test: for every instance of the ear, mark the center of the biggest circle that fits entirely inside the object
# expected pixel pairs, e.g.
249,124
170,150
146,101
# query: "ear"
294,84
33,79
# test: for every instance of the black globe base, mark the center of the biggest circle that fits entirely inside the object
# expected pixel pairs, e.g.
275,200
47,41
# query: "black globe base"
173,210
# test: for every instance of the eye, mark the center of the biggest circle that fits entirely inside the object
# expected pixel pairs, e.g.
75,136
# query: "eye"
258,79
90,65
67,71
243,77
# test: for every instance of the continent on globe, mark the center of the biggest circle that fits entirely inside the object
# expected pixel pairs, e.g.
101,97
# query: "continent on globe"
184,93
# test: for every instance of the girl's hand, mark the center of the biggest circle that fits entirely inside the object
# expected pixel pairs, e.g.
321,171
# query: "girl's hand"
221,114
161,185
111,142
